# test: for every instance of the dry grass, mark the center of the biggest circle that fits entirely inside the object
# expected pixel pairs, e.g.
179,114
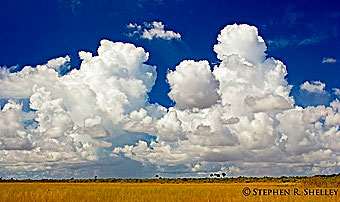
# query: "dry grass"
129,192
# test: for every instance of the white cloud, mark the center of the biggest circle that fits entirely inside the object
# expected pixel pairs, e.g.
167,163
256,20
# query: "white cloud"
248,129
238,117
152,30
57,62
136,29
61,64
193,85
267,103
12,133
75,114
336,91
242,40
131,26
313,87
329,60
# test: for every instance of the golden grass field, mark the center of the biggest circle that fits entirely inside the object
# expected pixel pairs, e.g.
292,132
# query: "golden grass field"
129,192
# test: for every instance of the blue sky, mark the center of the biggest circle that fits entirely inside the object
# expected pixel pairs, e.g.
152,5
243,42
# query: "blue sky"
304,35
301,33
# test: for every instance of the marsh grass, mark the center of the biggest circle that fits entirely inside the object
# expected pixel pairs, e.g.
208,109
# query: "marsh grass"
156,192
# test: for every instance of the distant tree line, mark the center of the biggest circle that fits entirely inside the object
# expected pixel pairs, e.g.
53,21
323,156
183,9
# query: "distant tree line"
218,175
317,180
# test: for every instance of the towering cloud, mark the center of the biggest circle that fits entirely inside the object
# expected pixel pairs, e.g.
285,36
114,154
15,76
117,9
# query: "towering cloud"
72,116
242,40
193,85
237,117
252,127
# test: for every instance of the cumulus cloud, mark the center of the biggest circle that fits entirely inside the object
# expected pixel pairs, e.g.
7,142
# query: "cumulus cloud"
152,30
313,87
242,40
72,115
267,103
329,60
252,127
193,85
59,63
237,117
